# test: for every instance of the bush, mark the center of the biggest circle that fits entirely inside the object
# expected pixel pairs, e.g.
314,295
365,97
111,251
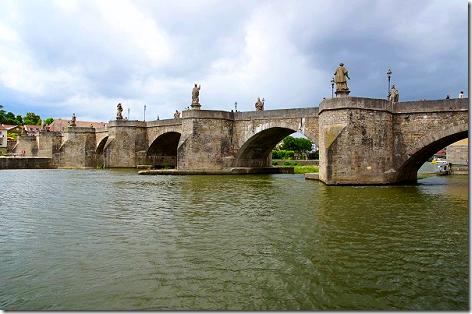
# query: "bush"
282,154
301,169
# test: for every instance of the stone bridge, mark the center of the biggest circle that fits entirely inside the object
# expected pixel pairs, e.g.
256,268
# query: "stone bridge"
361,140
373,141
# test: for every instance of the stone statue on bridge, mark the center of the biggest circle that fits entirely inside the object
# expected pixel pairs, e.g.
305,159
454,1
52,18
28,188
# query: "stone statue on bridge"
196,97
340,78
259,104
72,121
393,96
176,114
119,111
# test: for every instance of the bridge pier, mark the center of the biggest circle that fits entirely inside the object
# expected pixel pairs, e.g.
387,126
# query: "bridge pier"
128,146
206,141
77,148
373,141
356,141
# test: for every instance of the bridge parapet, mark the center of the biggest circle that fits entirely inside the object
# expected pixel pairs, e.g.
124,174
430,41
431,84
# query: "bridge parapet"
164,122
207,114
126,123
277,114
356,103
441,105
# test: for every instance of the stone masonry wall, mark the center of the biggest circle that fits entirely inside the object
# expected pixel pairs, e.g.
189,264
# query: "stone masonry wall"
28,144
48,143
422,128
302,120
206,140
356,141
458,154
26,163
78,148
128,144
372,141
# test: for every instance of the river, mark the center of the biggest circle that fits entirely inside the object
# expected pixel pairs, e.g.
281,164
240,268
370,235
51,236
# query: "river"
113,240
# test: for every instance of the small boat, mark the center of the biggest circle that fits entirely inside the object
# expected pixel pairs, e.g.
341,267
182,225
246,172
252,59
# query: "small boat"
442,168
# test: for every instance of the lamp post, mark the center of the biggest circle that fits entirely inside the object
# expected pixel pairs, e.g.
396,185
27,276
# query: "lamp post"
235,106
332,87
144,112
389,73
128,113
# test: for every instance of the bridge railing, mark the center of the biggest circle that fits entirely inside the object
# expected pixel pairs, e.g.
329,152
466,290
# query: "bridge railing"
440,105
277,113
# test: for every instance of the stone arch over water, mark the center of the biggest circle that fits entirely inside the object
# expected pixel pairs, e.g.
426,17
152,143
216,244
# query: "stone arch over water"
101,145
163,150
255,151
426,147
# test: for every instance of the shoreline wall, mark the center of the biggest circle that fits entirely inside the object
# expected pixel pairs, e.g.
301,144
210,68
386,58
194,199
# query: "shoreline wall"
26,163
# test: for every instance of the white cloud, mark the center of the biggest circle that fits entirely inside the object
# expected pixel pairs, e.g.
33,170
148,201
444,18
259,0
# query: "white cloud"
136,31
63,54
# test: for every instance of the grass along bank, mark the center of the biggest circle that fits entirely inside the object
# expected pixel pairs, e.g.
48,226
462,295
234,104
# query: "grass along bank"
299,169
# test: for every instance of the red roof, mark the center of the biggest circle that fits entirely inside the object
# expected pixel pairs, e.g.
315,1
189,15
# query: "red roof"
10,126
441,152
59,125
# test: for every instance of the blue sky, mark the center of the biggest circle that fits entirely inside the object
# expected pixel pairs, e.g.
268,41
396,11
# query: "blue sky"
60,57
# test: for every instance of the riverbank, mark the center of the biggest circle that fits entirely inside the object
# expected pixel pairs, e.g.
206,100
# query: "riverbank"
26,163
299,166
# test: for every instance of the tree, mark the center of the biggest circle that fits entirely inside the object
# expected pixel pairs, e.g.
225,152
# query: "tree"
19,120
48,121
2,114
10,118
32,119
297,144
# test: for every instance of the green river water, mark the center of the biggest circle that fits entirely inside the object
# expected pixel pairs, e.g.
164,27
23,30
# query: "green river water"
113,240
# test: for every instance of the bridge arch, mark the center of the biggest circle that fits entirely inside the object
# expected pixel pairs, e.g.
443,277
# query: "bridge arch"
163,150
255,151
426,147
101,145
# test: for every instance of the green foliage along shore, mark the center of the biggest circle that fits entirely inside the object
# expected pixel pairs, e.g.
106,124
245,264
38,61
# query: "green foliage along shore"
30,119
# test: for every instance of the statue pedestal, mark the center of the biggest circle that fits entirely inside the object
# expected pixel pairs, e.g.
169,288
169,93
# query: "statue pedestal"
342,93
195,106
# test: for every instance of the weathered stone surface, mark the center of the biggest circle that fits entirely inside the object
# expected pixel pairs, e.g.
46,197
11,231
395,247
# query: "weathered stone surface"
78,148
28,144
372,141
206,140
48,143
422,128
458,153
127,144
26,163
256,133
353,140
312,176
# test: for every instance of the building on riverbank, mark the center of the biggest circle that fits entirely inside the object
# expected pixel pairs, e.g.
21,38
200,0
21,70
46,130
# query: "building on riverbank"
457,154
3,137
